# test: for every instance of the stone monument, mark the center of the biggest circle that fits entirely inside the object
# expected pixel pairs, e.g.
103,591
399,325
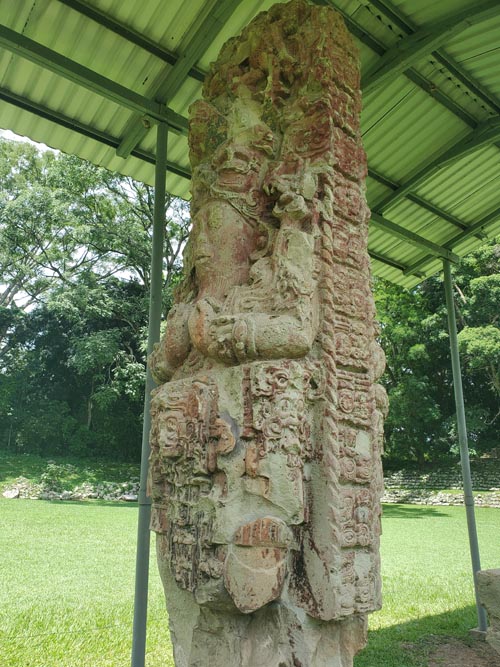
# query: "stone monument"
488,584
265,466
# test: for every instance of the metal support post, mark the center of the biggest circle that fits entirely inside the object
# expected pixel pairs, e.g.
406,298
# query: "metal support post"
462,440
155,307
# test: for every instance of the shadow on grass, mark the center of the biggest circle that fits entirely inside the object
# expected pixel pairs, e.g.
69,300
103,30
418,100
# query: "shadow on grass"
409,644
399,511
17,465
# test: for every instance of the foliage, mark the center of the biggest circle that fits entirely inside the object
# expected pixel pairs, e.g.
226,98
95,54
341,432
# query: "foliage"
52,478
421,425
74,259
75,263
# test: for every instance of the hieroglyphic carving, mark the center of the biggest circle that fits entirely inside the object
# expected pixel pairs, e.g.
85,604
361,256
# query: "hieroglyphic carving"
267,430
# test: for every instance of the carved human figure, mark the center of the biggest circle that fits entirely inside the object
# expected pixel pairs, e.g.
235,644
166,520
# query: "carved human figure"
266,431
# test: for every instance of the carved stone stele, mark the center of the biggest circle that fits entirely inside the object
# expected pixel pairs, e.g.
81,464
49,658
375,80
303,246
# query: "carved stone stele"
488,583
267,425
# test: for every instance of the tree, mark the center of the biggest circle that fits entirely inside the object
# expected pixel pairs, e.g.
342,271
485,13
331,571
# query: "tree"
421,425
479,340
412,328
74,258
62,217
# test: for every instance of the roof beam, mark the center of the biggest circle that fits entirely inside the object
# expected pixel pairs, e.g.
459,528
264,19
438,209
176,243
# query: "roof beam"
83,76
129,34
430,88
484,134
439,212
377,176
472,230
467,80
85,130
411,49
355,28
410,237
396,17
195,45
386,260
427,86
169,82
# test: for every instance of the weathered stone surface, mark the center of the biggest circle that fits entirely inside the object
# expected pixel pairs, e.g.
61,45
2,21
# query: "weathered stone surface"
254,576
489,594
11,493
276,635
268,423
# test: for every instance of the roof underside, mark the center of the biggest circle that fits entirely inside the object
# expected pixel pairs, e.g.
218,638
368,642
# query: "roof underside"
93,78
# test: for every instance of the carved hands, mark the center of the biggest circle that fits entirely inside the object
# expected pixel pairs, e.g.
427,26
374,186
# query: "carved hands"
227,338
237,338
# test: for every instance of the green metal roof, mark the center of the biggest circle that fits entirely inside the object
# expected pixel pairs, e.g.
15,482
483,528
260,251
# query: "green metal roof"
93,78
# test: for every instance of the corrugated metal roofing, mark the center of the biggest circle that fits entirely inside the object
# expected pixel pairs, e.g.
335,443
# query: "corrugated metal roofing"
421,109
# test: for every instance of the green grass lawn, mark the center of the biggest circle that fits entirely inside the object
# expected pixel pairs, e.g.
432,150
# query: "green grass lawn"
427,581
67,584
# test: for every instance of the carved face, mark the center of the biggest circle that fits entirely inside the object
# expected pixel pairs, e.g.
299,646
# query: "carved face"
221,244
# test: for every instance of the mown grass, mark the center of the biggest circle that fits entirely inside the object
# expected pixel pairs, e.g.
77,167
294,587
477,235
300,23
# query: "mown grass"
67,586
427,581
66,597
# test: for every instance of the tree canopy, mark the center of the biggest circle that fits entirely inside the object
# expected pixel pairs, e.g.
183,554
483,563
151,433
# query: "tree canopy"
421,425
74,264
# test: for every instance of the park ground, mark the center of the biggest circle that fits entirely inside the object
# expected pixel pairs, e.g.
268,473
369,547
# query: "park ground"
68,568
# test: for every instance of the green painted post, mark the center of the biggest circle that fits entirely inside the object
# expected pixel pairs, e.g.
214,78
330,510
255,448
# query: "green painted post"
155,307
462,440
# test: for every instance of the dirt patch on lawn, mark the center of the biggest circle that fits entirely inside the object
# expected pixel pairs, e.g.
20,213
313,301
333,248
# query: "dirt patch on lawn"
453,653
